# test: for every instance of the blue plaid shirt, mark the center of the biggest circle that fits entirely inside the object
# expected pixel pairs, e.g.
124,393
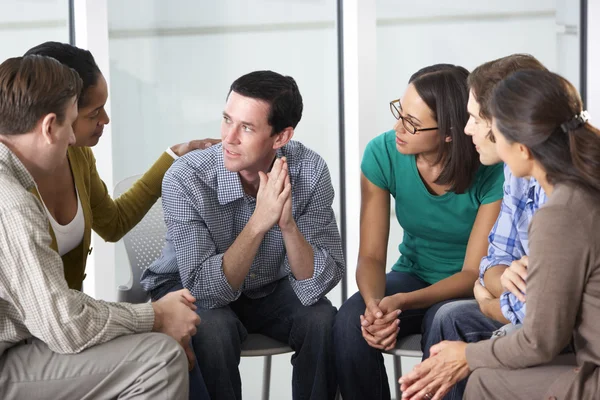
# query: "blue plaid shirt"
509,237
205,210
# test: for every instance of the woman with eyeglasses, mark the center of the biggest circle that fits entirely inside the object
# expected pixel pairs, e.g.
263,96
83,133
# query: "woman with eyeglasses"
445,201
541,131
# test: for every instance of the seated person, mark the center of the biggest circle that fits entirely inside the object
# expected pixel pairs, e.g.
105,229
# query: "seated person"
540,131
446,203
56,342
475,320
252,234
75,198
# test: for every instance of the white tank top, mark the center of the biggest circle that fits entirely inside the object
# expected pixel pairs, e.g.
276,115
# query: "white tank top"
68,236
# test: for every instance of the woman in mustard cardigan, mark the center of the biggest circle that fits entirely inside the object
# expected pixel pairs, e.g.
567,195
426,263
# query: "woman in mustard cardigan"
75,198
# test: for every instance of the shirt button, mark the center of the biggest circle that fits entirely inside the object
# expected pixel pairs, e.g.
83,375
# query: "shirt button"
252,275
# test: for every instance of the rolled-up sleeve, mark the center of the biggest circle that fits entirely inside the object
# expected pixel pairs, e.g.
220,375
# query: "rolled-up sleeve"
504,244
200,266
512,308
318,225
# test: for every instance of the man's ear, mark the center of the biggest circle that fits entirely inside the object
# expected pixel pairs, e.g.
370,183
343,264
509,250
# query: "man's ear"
283,137
48,126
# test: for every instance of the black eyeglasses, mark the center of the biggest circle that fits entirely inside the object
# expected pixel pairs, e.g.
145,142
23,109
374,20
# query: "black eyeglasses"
395,108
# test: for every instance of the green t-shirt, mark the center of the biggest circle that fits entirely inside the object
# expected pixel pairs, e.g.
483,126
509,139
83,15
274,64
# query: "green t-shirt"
436,228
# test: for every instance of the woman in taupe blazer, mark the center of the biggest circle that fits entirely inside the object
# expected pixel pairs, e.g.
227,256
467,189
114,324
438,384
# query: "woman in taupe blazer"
540,131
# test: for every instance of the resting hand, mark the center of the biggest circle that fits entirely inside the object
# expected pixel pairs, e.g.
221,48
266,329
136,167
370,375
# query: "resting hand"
175,315
514,278
381,332
434,377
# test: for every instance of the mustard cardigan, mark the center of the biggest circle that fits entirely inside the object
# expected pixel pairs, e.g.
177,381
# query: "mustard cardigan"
111,219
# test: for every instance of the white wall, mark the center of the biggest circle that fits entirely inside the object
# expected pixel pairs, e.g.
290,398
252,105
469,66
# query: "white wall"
26,23
593,65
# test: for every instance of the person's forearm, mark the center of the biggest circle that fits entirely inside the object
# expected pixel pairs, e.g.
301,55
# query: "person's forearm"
370,277
238,259
491,279
456,286
299,252
491,309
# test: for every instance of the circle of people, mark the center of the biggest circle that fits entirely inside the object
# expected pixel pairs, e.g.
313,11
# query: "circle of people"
495,176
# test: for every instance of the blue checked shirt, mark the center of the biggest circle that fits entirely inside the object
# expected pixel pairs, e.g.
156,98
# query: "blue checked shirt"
205,210
509,237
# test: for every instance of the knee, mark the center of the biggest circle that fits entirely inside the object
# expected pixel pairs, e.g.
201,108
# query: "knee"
347,319
451,313
350,311
318,319
218,329
161,346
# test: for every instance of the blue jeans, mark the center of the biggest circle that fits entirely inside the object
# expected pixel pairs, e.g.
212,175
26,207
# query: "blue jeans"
359,367
459,320
198,390
281,316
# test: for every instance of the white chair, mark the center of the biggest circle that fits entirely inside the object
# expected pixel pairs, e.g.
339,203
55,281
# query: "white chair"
143,245
409,346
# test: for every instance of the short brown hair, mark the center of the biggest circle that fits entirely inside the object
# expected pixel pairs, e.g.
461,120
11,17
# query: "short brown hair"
484,78
32,87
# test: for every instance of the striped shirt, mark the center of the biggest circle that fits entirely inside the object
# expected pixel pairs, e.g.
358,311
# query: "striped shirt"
509,237
35,300
205,210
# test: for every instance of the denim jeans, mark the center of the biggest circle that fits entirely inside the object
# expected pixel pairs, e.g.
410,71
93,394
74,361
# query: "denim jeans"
459,320
359,367
198,390
281,316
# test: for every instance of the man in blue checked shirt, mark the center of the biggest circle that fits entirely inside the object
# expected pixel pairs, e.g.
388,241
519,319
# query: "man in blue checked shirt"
252,234
499,305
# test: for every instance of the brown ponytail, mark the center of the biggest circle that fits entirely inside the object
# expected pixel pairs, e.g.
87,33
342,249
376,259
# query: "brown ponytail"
584,143
531,107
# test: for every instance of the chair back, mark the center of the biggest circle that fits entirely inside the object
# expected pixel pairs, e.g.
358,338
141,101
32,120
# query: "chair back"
143,245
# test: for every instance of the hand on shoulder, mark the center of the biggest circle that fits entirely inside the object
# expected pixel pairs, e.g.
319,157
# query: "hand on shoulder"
182,149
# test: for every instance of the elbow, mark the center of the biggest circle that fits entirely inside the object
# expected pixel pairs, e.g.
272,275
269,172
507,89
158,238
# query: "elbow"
541,352
546,352
470,276
64,343
112,236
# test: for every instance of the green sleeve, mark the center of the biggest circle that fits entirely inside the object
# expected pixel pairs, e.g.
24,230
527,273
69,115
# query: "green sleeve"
490,184
112,219
377,163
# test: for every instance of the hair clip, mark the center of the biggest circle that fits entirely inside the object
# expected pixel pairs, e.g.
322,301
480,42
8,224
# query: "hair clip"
576,122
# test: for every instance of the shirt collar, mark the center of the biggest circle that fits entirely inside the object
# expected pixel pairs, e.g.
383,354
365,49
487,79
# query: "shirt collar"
533,191
229,184
9,162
